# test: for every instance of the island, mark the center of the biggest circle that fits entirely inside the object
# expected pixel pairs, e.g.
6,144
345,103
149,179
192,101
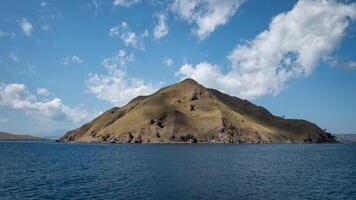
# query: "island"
4,136
187,112
346,137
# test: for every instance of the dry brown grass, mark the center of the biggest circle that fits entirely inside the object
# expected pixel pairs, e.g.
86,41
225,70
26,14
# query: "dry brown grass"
189,108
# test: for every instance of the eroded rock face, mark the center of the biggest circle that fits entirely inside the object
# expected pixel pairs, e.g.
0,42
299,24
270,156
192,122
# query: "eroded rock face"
196,95
189,113
137,139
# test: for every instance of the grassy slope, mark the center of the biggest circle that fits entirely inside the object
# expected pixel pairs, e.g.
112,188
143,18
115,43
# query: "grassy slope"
188,107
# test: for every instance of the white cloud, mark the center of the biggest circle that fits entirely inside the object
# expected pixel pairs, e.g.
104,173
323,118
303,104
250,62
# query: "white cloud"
42,91
45,27
47,14
26,27
168,62
115,86
125,3
114,31
15,96
14,57
206,15
7,34
72,60
292,47
145,34
96,6
161,29
128,37
339,62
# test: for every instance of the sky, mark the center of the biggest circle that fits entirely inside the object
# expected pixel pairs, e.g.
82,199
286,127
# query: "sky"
62,63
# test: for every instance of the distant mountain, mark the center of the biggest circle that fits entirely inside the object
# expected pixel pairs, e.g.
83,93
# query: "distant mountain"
13,137
53,135
189,112
346,137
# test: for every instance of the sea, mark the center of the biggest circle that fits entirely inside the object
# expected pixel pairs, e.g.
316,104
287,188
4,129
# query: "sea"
50,170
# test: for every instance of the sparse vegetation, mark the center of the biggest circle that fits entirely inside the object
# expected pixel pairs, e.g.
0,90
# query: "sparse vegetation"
130,135
105,137
330,135
188,138
160,124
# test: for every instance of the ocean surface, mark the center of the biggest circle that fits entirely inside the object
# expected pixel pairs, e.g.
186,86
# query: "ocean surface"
48,170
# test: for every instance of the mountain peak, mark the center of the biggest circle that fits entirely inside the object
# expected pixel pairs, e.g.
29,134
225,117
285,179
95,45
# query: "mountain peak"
189,81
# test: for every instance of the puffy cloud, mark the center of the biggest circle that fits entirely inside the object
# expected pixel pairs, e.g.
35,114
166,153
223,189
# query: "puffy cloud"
16,96
96,6
339,62
14,57
168,62
114,31
125,3
161,28
115,86
292,47
206,15
42,91
45,27
26,27
7,34
72,60
118,60
128,37
208,75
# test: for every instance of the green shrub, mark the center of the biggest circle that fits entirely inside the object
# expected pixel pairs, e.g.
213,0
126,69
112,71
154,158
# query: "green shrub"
188,137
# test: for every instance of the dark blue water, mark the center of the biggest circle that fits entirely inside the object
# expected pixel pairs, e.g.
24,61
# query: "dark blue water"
47,170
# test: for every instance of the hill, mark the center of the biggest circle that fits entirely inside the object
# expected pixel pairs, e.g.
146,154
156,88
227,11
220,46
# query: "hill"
52,134
346,137
14,137
189,112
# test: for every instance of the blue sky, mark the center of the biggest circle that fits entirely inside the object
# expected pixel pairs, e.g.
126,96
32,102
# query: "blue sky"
64,62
